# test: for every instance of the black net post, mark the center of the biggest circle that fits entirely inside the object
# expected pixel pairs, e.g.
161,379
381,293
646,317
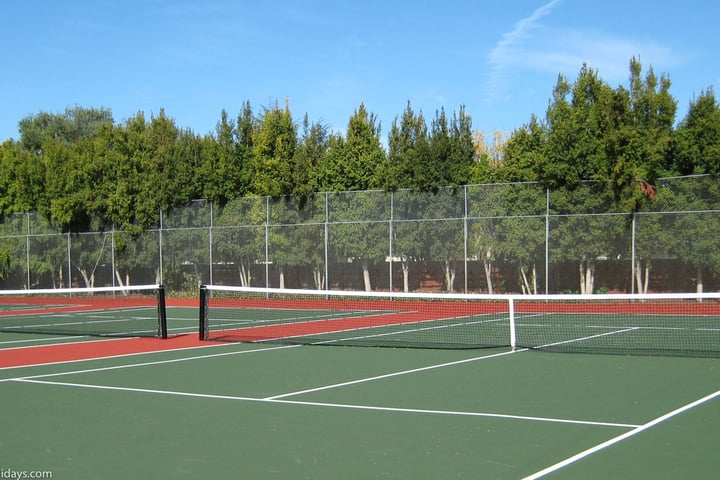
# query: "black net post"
204,327
162,313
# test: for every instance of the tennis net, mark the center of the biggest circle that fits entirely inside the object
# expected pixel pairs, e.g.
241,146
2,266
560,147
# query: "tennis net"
134,311
634,324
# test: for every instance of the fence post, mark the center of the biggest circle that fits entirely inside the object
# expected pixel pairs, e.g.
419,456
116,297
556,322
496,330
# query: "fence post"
112,253
632,254
326,241
27,250
69,260
160,249
390,234
210,242
267,241
547,241
465,234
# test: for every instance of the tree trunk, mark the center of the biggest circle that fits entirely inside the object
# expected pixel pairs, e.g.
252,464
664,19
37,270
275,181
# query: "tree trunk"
642,276
281,271
527,286
318,279
587,276
366,275
406,275
487,264
88,279
119,278
449,276
699,280
244,273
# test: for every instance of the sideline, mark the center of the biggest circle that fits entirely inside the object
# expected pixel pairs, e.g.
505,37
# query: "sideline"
620,438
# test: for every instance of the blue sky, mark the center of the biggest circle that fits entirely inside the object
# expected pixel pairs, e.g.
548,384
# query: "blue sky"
195,58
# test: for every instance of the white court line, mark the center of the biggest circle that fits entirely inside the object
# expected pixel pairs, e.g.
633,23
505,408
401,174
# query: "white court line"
389,375
144,364
620,438
328,405
42,339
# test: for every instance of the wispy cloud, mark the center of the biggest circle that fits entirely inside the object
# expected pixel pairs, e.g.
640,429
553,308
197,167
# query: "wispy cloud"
533,47
511,51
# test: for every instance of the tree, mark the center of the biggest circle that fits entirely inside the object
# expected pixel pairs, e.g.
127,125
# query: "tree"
296,235
69,185
586,228
692,231
457,170
239,236
577,121
76,123
443,234
638,134
489,156
22,179
696,145
409,208
359,231
524,154
356,161
409,158
274,144
225,162
311,150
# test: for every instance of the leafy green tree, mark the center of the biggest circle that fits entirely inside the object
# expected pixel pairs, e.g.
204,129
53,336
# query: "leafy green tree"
22,179
4,261
359,230
48,261
296,238
649,240
239,236
274,145
409,158
409,212
442,235
525,154
508,225
696,145
586,227
69,187
137,257
309,155
457,171
638,135
692,231
76,123
356,161
440,144
577,121
186,246
13,248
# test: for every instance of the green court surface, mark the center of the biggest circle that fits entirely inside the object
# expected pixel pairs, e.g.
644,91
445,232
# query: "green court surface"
257,411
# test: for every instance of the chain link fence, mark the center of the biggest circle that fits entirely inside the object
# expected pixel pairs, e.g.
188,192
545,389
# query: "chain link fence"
514,238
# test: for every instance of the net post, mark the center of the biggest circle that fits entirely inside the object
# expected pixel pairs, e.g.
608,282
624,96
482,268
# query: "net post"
162,313
511,314
204,327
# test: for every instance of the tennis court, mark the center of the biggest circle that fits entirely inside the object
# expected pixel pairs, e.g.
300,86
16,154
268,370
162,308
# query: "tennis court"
288,410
